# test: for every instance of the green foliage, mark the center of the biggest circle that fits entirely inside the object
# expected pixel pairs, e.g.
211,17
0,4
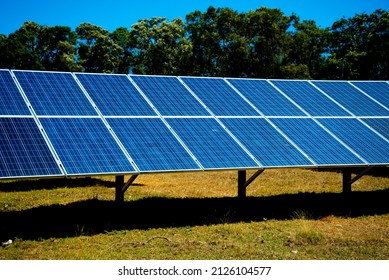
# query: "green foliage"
263,43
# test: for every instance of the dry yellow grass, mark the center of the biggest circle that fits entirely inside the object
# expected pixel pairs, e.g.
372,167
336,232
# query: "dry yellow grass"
288,214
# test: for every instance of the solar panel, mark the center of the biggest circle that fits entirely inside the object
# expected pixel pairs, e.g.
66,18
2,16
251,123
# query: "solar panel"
318,144
377,90
360,138
23,151
151,145
381,125
54,93
85,146
11,101
219,97
309,98
211,144
265,142
352,99
169,96
115,95
266,98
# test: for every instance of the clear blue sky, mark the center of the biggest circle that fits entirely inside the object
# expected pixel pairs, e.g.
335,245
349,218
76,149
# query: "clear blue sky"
111,14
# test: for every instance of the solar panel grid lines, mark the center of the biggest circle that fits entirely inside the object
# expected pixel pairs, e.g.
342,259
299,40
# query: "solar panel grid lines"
166,123
85,146
23,151
379,125
356,134
114,94
309,98
315,141
267,98
267,143
367,95
352,98
211,144
11,100
217,95
376,89
151,144
176,101
54,93
182,79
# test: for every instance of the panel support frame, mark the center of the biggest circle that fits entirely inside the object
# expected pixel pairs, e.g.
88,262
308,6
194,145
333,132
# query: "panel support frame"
243,183
347,180
121,188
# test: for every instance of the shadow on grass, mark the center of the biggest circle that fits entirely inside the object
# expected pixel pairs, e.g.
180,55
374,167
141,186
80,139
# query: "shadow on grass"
50,184
91,217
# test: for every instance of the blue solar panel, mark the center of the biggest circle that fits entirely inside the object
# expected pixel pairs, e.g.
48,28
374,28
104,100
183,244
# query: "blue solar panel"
378,90
351,98
219,97
11,101
265,142
169,96
54,93
23,151
266,98
360,138
316,142
310,98
115,95
85,146
211,144
151,145
381,125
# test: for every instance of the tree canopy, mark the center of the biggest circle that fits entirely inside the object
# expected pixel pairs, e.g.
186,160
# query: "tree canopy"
264,43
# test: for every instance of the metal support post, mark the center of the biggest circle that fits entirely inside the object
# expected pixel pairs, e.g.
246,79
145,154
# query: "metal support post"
243,183
346,174
121,187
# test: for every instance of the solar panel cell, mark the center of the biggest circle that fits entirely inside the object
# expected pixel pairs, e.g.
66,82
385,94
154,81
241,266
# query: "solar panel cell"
360,138
352,98
211,144
219,97
23,150
265,142
381,125
378,90
318,144
54,93
85,146
151,145
11,101
266,98
310,98
169,96
115,95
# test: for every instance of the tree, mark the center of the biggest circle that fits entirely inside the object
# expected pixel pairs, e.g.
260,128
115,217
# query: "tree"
97,52
308,48
159,47
21,48
121,37
359,47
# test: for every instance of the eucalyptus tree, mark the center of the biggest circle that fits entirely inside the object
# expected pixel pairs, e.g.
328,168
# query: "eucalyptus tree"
97,52
159,47
359,47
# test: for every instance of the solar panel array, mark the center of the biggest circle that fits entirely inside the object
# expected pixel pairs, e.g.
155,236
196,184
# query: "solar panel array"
76,124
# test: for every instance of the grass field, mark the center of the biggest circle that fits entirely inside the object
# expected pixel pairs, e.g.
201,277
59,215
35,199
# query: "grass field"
288,214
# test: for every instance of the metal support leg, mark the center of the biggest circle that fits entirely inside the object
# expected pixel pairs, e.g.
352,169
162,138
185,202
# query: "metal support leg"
346,181
243,183
121,187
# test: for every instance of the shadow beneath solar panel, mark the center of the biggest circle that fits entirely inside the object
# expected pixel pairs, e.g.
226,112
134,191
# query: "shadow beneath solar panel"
50,184
95,216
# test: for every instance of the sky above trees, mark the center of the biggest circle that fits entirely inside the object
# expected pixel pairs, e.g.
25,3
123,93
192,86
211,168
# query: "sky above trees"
118,13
